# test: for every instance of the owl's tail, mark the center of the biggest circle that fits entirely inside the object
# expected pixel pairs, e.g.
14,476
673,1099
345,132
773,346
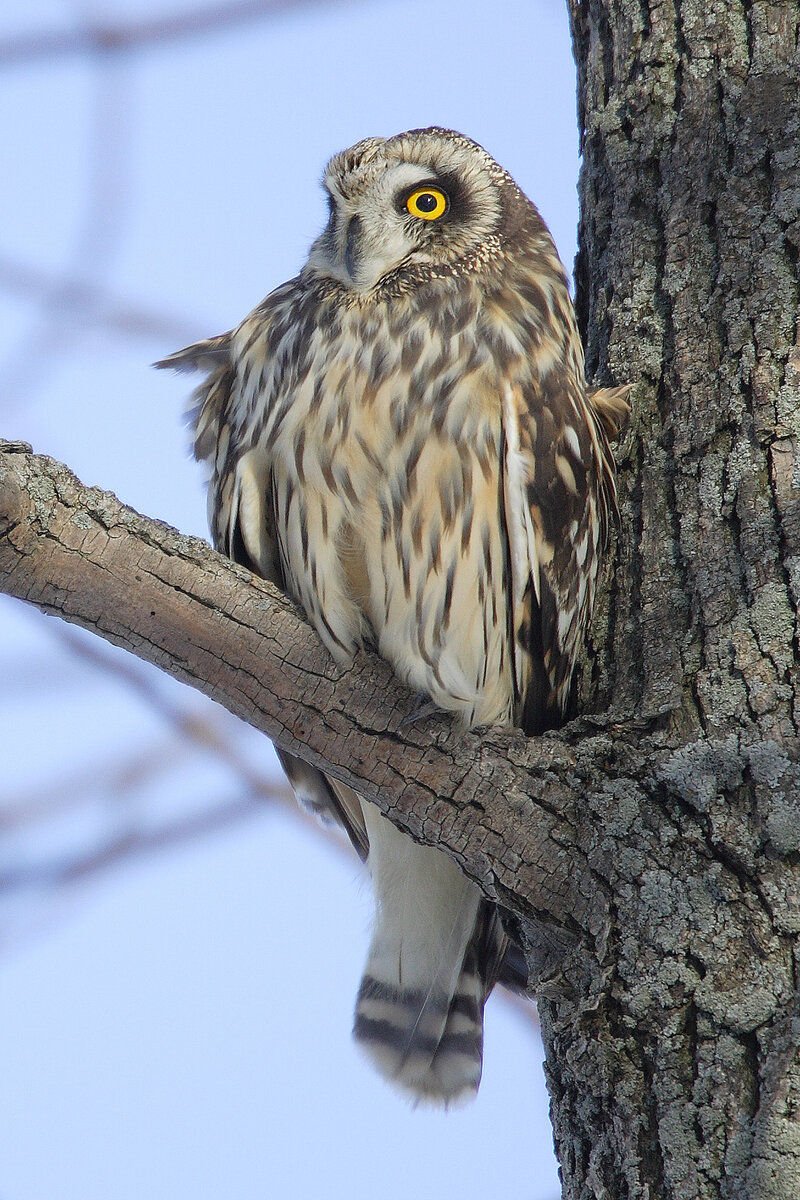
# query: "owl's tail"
433,958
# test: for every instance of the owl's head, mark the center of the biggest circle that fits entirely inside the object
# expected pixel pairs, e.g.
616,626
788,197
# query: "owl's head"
428,202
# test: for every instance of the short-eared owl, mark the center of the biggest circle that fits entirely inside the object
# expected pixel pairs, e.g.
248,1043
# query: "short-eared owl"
401,438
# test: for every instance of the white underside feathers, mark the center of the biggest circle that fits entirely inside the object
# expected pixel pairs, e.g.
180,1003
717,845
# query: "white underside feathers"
419,1014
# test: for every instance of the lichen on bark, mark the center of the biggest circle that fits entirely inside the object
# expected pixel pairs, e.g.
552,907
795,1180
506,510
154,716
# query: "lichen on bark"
687,284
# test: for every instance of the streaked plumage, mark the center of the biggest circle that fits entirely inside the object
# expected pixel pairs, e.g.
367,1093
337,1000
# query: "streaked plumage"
401,438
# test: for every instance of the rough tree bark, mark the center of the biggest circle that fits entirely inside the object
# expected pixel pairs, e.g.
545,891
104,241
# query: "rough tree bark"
673,1062
649,855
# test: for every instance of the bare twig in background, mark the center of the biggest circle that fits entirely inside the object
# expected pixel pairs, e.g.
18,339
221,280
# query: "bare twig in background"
206,729
113,39
58,326
106,793
113,778
127,845
88,302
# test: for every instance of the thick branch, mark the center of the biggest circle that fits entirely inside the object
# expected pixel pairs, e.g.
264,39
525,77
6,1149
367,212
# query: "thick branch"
549,827
503,805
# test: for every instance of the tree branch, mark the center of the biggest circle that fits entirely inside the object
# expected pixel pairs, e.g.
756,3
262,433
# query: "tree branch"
123,37
555,829
505,806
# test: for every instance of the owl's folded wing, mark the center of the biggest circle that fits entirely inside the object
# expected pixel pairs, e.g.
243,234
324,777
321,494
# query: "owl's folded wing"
557,495
242,524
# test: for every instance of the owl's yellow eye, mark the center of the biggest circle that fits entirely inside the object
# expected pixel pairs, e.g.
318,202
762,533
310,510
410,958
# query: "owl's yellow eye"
428,203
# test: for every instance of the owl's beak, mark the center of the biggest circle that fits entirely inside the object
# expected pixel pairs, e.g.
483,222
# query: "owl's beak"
343,251
351,253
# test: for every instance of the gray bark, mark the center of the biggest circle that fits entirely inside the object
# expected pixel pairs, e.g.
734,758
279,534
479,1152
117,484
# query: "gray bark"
649,854
673,1063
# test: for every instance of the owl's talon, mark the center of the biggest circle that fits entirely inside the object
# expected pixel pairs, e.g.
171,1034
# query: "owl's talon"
424,708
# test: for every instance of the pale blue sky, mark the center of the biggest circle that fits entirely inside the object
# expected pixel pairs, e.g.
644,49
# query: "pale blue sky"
179,1027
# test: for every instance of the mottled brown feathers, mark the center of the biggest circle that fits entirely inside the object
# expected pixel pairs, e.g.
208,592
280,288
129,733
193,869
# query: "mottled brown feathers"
401,437
612,408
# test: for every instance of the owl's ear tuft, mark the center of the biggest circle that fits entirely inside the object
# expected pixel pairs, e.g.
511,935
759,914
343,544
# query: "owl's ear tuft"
200,356
612,408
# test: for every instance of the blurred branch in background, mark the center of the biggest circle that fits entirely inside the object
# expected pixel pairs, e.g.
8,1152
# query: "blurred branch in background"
98,38
106,797
74,300
89,303
59,325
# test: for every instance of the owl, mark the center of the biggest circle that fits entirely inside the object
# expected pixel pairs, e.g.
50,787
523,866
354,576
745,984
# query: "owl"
401,439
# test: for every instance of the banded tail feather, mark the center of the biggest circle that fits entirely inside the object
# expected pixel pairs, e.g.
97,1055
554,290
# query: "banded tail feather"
435,953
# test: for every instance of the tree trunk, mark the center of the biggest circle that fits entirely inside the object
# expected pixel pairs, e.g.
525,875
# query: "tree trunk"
672,1039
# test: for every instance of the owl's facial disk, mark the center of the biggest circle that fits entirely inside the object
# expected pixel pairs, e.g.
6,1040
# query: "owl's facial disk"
385,214
369,232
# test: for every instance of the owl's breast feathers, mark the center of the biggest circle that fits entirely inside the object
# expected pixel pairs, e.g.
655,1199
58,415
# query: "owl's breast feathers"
424,472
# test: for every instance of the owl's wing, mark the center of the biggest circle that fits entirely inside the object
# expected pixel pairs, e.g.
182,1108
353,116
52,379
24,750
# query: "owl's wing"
242,522
557,494
523,565
240,508
612,408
